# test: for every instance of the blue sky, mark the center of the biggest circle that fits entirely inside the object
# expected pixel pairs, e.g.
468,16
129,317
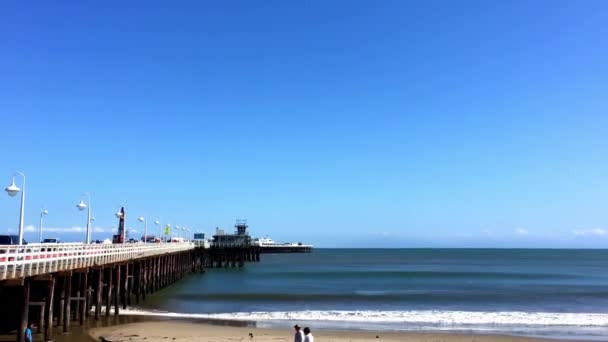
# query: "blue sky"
341,123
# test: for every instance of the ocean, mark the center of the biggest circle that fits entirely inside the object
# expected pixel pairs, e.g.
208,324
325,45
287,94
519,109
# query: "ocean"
532,292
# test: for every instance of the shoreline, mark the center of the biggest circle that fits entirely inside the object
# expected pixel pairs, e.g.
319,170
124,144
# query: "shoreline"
162,330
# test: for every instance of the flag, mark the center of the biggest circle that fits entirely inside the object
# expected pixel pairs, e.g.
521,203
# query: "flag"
167,229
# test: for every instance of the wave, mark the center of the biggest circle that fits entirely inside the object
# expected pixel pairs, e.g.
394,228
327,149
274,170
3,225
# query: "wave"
437,318
411,296
419,275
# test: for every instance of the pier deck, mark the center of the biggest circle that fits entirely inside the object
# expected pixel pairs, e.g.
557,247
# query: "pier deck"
35,259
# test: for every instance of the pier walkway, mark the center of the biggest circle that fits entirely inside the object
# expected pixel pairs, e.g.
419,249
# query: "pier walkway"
35,259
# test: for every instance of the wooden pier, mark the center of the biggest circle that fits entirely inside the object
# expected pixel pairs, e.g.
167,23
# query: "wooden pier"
56,285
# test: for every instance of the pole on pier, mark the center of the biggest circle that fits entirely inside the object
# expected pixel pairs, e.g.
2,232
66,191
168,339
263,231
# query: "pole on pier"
48,308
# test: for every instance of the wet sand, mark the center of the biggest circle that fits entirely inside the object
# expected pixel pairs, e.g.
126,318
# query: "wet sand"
164,331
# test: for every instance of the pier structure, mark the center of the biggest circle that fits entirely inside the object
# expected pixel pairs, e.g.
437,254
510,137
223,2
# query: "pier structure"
56,285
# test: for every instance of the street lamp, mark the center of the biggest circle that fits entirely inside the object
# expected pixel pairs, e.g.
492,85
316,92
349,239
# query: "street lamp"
82,206
157,222
142,219
43,213
177,228
12,191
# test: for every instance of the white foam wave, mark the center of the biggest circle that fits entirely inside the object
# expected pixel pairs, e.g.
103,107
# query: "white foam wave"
433,318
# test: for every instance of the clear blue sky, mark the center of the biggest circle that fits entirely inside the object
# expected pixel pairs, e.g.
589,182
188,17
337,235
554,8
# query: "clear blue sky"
341,123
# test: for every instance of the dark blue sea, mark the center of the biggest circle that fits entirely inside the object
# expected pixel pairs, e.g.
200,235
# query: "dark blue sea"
536,292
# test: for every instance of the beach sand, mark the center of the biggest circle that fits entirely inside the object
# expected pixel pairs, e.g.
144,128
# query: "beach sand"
168,331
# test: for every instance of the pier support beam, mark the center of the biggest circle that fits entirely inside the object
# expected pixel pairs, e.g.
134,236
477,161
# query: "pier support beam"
109,293
116,289
125,288
77,303
66,303
61,303
98,293
83,291
48,310
25,310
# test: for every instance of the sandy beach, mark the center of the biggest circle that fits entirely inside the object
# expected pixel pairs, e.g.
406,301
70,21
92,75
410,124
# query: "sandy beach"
202,332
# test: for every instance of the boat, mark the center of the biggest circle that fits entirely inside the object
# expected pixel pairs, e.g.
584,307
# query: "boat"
268,245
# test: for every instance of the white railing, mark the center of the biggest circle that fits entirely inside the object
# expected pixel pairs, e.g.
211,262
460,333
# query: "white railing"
40,258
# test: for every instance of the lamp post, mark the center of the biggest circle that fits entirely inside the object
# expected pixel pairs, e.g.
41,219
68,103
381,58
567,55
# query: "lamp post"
177,228
157,222
43,213
82,206
12,191
142,219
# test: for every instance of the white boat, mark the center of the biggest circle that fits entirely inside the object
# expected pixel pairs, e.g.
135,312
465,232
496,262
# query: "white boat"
267,244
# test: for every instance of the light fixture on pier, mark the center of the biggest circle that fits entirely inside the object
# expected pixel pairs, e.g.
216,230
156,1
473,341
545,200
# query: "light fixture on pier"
12,190
82,206
142,219
43,213
118,214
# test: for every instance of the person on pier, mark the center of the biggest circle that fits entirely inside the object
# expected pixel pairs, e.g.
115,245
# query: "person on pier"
299,335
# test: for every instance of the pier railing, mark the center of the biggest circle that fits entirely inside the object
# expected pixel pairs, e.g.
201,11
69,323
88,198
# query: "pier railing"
35,259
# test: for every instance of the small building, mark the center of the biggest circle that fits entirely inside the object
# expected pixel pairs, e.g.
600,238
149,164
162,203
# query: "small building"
240,238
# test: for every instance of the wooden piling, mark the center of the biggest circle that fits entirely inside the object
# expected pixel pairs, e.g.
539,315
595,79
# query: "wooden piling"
116,289
136,280
109,294
61,303
126,295
144,279
25,310
48,309
83,291
77,303
66,303
98,293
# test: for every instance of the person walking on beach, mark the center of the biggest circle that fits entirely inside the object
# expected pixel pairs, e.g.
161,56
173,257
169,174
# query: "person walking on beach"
308,335
299,336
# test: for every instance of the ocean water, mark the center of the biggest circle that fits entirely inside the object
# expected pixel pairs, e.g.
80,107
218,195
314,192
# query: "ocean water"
536,292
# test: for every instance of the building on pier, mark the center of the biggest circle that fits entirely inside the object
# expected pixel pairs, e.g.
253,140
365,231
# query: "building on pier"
240,237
